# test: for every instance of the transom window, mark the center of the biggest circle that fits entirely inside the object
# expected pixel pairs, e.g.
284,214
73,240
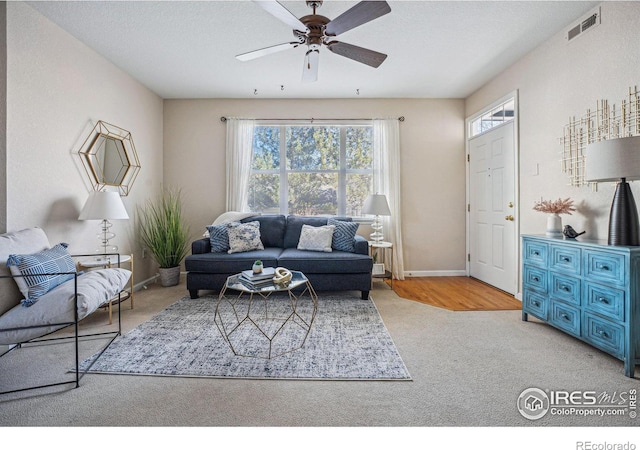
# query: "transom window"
311,169
497,116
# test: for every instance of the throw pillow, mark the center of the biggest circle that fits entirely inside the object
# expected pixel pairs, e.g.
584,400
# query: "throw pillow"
219,238
40,270
228,217
343,235
317,239
244,237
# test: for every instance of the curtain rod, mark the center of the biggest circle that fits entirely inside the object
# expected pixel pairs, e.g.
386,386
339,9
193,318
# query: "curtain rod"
224,119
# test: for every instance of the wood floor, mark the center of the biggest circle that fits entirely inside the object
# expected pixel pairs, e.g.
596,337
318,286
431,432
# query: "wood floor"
455,294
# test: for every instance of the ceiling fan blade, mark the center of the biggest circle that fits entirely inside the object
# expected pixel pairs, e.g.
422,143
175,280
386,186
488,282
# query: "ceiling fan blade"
363,55
280,12
361,13
266,51
310,69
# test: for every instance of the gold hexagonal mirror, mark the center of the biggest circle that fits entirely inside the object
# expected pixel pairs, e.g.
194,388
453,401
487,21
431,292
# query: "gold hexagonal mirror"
109,157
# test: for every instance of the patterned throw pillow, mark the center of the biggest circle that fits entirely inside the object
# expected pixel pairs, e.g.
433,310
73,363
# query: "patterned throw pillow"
219,238
39,269
244,237
343,235
317,239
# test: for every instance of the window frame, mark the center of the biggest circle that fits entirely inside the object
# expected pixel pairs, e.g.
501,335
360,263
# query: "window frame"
342,171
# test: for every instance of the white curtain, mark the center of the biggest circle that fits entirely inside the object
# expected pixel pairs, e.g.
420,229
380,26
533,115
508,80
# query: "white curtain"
239,154
386,180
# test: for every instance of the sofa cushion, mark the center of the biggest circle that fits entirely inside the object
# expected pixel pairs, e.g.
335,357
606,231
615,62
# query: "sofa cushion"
316,239
228,217
218,238
231,263
41,269
272,228
294,227
30,240
316,262
343,235
244,237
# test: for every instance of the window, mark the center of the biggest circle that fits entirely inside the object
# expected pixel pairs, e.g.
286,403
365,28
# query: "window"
497,116
311,169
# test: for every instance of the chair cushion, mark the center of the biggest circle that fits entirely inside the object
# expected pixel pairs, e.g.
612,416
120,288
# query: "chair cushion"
95,288
30,240
42,271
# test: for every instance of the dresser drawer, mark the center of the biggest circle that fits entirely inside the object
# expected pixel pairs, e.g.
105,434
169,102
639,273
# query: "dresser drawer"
565,288
566,259
535,304
535,278
565,317
605,335
605,301
604,266
535,253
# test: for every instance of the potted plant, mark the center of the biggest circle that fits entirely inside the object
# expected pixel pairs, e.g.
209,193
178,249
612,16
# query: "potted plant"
257,266
553,210
163,233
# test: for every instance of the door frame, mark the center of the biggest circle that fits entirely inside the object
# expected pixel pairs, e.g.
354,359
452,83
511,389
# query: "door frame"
516,183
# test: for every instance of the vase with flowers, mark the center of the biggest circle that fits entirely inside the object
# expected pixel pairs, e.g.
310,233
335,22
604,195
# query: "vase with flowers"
554,208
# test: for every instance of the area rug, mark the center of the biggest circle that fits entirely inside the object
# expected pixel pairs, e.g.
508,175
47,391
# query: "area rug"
347,341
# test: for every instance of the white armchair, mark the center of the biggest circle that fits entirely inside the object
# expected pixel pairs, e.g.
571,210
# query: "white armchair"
32,306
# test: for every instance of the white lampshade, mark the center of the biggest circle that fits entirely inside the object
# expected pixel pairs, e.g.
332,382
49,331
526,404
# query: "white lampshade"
377,205
613,159
103,205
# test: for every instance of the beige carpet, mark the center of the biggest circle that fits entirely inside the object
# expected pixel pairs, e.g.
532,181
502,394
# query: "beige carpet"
468,369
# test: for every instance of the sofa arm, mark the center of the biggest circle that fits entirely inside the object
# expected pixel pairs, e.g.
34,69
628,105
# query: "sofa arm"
362,245
201,246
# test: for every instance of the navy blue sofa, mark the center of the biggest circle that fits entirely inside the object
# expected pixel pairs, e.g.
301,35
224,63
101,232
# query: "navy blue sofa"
327,271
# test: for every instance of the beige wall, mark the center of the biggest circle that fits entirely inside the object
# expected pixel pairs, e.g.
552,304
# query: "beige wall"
559,80
57,88
433,167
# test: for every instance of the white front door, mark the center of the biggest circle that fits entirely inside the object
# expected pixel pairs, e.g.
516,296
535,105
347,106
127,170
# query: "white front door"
492,246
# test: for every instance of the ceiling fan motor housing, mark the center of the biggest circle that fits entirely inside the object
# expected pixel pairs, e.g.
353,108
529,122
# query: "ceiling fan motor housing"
316,25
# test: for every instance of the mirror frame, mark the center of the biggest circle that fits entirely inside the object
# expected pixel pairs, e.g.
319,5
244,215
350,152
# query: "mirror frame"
128,158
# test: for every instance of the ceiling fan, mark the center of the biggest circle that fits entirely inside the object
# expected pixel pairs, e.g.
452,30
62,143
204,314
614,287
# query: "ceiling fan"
315,31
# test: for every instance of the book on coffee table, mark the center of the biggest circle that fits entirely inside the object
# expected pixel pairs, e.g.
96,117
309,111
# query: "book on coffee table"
267,274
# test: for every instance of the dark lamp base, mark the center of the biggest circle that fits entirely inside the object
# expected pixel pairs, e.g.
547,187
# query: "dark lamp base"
623,219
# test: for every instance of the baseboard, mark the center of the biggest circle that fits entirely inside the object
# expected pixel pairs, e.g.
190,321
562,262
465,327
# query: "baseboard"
435,273
143,284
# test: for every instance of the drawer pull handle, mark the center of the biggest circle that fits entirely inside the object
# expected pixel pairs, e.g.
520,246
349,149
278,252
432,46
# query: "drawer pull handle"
603,333
565,288
602,267
603,300
565,316
535,253
536,303
565,259
535,278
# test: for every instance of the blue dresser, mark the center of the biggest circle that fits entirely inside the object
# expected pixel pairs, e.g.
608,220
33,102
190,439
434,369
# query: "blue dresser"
587,289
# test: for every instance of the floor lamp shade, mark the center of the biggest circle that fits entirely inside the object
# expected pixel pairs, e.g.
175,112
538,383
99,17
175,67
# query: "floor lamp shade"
377,205
617,160
104,206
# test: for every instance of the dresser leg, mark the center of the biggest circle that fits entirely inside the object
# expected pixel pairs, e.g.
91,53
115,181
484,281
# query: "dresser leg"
525,316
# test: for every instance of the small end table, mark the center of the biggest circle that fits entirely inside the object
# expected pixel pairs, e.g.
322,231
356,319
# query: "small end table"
108,262
375,248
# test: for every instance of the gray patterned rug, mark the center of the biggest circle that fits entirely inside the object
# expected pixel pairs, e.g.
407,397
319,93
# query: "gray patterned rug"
347,341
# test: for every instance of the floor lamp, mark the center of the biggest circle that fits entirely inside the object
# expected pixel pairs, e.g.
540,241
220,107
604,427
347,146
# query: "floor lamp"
377,205
104,206
617,160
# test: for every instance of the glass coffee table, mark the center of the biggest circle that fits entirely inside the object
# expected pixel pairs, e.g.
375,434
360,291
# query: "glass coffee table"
268,321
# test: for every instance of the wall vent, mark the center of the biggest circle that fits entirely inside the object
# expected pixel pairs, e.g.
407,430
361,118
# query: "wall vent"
587,23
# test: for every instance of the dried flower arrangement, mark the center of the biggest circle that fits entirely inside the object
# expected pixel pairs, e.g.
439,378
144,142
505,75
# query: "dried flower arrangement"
560,206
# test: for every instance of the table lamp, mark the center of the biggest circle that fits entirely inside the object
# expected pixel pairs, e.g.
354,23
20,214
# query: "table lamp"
617,160
104,205
377,205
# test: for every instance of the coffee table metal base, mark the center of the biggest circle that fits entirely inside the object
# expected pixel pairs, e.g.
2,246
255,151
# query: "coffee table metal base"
266,323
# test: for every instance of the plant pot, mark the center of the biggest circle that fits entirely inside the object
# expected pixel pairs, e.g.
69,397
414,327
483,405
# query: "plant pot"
169,276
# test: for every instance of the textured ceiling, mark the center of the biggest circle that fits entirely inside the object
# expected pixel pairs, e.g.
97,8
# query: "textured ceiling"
437,49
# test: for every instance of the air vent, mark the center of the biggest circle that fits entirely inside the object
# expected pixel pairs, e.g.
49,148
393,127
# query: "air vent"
592,20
